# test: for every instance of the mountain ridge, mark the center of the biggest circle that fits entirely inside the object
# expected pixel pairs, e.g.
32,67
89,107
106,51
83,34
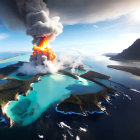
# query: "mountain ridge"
131,53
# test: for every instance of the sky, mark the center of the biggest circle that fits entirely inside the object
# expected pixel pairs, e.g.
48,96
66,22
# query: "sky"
101,33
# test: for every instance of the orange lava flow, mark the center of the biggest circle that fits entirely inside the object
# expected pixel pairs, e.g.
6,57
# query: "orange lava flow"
43,49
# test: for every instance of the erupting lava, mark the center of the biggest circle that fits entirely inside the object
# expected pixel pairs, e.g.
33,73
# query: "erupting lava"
43,49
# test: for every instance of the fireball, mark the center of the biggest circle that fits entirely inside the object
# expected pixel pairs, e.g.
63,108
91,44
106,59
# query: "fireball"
43,49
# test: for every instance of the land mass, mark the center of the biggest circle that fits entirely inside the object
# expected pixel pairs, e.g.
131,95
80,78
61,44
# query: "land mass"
131,53
92,75
88,102
12,87
132,70
10,69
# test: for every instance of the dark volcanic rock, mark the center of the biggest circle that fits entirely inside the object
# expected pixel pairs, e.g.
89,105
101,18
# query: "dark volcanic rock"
131,53
92,74
68,73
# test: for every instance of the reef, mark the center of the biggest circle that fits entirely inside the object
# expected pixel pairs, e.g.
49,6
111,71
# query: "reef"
132,70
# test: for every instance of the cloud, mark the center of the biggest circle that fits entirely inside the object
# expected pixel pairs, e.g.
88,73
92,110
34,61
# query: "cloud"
3,36
71,11
131,35
95,26
90,11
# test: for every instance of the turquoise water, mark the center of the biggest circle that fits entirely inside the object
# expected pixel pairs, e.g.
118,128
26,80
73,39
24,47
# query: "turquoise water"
15,60
49,90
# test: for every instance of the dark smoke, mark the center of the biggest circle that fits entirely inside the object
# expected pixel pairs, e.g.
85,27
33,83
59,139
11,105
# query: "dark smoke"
32,14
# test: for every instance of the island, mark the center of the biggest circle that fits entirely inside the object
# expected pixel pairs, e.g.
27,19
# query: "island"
92,75
85,103
132,70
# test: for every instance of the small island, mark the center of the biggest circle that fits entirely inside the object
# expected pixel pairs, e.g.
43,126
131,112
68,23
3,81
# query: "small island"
132,70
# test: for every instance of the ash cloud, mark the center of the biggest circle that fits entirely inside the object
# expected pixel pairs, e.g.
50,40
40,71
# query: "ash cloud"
31,14
12,12
90,11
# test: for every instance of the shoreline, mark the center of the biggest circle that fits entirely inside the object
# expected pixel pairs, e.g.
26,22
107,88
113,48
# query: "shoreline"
11,57
9,121
133,70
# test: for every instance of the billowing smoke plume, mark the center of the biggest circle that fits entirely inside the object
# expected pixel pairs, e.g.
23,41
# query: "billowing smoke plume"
34,14
39,24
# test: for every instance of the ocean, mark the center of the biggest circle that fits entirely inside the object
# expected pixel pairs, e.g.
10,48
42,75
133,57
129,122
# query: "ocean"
120,122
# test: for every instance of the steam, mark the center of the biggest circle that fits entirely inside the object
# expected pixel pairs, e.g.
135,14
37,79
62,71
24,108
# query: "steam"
63,62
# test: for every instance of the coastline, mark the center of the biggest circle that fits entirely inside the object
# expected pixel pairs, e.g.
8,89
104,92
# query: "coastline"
132,70
16,98
87,103
11,57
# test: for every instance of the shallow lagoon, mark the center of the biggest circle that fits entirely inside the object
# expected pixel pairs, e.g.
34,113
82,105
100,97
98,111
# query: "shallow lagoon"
49,90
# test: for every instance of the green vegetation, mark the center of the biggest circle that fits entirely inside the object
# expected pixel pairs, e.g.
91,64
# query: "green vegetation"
12,87
6,71
85,102
9,69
